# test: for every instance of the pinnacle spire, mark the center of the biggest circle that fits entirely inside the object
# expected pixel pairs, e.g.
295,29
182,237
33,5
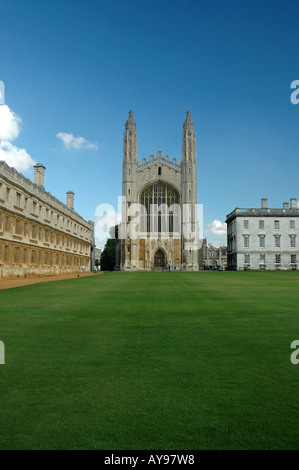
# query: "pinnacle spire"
188,124
130,124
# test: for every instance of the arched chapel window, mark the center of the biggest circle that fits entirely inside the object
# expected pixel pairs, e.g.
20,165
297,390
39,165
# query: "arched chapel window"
160,209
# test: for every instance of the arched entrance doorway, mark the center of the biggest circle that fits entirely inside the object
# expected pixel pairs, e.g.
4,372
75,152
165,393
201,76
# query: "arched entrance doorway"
159,259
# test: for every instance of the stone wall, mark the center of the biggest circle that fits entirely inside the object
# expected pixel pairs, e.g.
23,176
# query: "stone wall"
39,235
264,238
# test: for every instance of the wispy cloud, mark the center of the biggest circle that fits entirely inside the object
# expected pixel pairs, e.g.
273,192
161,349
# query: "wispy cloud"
76,143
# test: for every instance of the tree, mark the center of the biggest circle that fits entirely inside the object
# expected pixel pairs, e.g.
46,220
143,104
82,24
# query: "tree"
108,253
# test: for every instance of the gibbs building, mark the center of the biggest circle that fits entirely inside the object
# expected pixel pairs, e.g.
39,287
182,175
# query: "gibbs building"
159,227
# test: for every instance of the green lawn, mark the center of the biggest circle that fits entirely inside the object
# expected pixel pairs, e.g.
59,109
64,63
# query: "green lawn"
151,361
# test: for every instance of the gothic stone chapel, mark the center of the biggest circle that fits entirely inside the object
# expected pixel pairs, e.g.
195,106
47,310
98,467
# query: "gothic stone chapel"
159,207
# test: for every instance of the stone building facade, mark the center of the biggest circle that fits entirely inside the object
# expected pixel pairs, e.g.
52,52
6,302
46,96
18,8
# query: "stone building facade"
40,235
214,258
97,256
264,238
159,214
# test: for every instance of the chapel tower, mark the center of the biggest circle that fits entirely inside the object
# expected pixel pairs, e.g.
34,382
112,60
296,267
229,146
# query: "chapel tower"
189,192
160,205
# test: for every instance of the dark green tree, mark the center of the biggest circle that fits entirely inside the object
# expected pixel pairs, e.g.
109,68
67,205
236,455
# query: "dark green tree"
108,253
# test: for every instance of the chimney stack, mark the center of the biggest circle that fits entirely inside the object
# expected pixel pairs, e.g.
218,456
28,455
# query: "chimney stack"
264,203
293,203
286,205
39,174
70,199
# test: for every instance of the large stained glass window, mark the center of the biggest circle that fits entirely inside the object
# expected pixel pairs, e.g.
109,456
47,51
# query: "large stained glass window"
160,210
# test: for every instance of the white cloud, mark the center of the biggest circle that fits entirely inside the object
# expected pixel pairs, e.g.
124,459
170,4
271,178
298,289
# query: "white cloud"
76,143
217,227
10,127
15,157
10,123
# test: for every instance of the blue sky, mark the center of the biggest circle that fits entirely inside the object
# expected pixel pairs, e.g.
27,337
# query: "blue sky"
74,67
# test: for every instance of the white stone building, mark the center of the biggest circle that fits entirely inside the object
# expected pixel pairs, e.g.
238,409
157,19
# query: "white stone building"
40,235
168,233
263,238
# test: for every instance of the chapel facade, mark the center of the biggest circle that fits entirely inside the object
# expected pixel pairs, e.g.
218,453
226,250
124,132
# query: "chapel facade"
159,226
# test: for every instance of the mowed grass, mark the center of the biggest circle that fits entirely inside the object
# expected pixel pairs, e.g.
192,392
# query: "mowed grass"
151,361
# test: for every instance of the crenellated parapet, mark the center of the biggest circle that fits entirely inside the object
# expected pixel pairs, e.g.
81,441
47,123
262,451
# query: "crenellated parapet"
159,159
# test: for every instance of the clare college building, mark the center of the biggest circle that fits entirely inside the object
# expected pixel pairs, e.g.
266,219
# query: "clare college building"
159,210
39,235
